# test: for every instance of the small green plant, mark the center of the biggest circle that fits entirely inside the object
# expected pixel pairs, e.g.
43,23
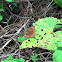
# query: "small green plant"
10,59
34,57
21,38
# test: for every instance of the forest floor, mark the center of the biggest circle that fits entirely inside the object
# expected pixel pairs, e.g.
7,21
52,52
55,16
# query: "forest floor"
14,18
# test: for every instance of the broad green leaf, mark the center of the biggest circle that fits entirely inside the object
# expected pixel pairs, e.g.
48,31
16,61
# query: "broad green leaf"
58,2
44,35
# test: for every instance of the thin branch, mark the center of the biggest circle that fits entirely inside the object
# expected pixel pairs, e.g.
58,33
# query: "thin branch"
14,35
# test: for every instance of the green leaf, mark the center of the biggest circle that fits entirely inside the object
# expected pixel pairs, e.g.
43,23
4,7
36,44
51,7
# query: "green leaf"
1,7
34,57
58,26
57,56
10,59
22,60
21,38
9,0
44,35
1,17
15,4
19,60
59,44
58,2
59,21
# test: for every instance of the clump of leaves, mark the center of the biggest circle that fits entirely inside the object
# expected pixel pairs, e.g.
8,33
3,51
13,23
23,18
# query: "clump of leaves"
34,57
44,35
10,59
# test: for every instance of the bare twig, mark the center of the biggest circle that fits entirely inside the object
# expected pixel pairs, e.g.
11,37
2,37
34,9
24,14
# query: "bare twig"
14,35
